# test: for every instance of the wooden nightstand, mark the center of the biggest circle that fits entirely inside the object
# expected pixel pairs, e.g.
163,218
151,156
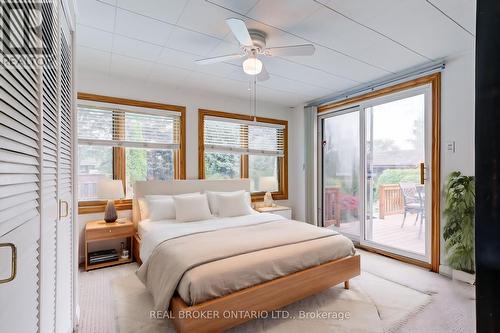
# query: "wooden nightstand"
286,212
97,231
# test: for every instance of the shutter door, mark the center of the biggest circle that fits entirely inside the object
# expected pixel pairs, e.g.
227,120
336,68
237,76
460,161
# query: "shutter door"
49,195
19,300
19,189
64,294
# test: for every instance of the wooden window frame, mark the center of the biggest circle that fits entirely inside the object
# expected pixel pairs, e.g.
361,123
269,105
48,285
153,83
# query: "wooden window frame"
434,80
119,171
282,193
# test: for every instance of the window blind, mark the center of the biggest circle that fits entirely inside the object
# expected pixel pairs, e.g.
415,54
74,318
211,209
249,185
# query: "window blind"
243,137
124,128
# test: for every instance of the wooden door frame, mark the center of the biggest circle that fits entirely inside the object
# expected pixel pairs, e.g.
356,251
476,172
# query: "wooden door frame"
434,80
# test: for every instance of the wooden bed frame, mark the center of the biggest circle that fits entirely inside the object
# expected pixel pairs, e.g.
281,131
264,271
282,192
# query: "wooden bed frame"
224,312
234,309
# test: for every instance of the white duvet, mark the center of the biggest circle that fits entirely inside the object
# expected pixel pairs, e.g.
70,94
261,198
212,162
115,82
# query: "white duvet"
155,232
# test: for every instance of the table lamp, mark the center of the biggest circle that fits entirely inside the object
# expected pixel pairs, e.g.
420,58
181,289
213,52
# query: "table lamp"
110,189
268,184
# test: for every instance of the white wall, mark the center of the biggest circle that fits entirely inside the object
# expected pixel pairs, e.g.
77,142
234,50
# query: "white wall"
457,124
97,83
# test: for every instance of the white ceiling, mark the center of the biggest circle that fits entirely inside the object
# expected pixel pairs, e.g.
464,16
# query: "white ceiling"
356,41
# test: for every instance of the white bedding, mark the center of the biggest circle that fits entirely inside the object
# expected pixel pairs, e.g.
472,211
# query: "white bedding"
147,225
154,232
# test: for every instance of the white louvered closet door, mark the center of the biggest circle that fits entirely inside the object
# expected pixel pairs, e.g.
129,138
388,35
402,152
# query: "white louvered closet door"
19,189
49,160
64,285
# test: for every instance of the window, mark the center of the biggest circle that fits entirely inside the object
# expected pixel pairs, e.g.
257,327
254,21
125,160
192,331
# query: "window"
147,164
127,140
235,146
95,163
263,172
222,166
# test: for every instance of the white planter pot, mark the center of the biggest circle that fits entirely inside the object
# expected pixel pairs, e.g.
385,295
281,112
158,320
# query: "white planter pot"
463,276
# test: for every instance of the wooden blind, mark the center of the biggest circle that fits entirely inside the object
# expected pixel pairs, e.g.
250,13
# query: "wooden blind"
243,137
109,126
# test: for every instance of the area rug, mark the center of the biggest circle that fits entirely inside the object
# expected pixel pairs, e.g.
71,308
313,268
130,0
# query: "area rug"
372,304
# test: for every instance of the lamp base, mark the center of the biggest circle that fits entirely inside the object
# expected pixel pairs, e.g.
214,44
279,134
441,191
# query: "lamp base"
268,199
110,215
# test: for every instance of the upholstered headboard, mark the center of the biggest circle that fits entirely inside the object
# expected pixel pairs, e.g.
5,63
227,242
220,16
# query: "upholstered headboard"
173,187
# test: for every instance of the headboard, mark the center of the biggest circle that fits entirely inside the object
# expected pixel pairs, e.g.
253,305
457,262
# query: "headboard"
173,187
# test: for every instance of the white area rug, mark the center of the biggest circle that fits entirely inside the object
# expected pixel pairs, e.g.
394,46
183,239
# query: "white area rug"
373,304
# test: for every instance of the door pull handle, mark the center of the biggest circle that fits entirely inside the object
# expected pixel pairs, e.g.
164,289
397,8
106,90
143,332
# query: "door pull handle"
422,173
13,262
66,209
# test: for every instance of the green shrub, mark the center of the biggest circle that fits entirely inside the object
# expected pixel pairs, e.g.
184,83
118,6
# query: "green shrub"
458,231
396,176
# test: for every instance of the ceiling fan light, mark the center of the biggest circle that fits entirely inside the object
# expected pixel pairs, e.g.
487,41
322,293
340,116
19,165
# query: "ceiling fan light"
252,66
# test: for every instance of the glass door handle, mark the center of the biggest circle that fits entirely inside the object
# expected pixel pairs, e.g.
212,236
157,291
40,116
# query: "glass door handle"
422,173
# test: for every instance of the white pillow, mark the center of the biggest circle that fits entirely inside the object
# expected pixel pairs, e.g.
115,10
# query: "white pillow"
160,212
212,199
191,208
160,208
233,204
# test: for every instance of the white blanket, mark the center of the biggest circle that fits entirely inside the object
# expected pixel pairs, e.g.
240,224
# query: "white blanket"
169,229
189,248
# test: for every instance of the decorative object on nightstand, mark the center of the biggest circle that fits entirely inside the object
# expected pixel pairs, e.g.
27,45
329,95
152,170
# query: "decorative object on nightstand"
98,231
124,253
268,184
110,189
284,211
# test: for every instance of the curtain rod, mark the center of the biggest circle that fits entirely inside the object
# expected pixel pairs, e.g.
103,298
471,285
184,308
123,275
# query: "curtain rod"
407,75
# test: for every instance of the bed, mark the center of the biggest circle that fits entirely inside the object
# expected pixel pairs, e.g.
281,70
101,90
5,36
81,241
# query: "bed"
216,273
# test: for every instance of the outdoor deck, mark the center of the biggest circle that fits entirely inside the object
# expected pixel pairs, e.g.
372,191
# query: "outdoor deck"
388,232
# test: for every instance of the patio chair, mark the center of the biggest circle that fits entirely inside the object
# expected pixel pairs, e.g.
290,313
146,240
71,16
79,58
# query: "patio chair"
413,203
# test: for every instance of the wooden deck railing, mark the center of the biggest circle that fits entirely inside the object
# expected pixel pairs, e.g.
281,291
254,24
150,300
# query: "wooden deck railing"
332,206
390,200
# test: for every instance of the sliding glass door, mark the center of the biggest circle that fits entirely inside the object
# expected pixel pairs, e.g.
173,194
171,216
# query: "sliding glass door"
341,189
374,173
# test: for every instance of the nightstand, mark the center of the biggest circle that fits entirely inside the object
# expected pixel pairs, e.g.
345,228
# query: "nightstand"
286,212
97,231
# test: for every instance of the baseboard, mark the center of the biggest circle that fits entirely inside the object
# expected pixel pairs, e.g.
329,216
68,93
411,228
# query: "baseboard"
445,270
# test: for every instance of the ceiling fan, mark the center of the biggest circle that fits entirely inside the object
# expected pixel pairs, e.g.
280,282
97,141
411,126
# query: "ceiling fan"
253,45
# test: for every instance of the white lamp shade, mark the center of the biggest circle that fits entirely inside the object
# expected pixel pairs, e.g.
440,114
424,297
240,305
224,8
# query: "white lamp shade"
252,66
110,189
268,184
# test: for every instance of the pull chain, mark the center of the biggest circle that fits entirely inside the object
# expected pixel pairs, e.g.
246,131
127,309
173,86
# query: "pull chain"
255,98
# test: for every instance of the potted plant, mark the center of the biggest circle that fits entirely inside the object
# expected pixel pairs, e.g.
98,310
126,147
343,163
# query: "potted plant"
459,228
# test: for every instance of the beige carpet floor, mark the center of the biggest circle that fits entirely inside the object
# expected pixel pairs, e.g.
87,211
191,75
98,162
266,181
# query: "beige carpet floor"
372,304
451,307
453,302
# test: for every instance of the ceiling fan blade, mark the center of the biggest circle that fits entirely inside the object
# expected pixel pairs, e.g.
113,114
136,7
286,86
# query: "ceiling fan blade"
240,31
213,60
263,75
294,50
